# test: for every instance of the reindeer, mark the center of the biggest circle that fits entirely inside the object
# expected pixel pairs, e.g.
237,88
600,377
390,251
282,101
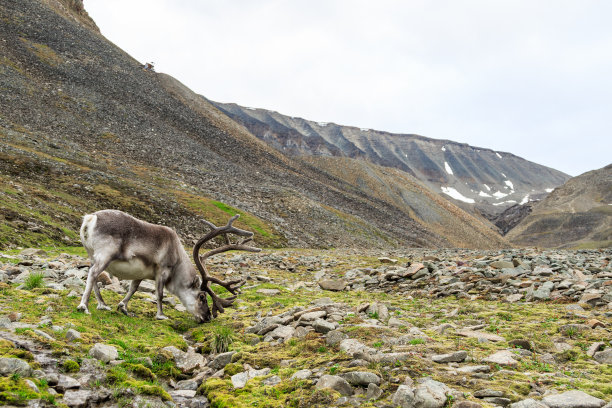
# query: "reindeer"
131,249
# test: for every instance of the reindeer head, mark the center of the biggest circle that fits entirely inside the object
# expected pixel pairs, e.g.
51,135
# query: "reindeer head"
218,304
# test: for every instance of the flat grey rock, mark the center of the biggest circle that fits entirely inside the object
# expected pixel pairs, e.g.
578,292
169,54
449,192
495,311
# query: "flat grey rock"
573,399
11,365
361,378
456,357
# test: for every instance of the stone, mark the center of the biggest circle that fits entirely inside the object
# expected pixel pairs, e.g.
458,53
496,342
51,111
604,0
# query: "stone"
323,326
404,397
503,358
221,360
103,352
431,394
314,315
282,332
514,297
335,285
595,347
384,259
11,365
239,380
604,357
373,392
361,378
66,382
336,383
474,369
352,346
501,264
488,393
334,337
498,401
480,335
456,357
268,292
466,404
77,399
72,335
183,393
528,403
189,362
573,399
272,381
301,375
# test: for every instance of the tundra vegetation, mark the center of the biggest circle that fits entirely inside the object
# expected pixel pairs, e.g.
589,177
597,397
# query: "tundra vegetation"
285,335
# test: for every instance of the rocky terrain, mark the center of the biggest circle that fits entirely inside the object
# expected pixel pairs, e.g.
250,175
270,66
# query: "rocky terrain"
410,328
83,127
577,214
469,176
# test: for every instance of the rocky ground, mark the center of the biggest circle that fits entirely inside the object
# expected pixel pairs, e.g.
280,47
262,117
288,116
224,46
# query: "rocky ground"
411,328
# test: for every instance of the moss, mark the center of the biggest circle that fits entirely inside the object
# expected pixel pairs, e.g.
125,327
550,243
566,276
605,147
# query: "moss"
15,391
148,389
141,371
70,366
233,368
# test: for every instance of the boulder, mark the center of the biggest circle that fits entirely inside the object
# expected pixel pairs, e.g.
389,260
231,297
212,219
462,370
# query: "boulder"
503,358
301,375
335,383
573,399
11,365
103,352
456,357
361,378
603,357
352,347
335,285
77,399
221,360
528,403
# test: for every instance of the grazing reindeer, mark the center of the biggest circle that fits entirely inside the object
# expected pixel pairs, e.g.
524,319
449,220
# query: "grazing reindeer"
131,249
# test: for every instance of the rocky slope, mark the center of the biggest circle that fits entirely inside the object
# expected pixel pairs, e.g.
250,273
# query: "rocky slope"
410,329
579,213
472,176
84,127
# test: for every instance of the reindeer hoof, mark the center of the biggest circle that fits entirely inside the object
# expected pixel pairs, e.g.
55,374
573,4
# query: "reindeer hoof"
123,309
161,317
83,308
103,307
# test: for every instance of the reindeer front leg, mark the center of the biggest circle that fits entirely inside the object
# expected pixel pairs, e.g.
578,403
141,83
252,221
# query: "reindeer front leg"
160,282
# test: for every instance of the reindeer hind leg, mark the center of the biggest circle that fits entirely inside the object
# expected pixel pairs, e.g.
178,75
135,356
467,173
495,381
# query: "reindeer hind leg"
122,306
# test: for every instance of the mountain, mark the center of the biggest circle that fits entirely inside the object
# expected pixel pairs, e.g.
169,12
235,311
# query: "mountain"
577,214
83,127
488,180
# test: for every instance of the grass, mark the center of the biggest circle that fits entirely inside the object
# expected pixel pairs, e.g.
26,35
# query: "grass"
34,280
143,336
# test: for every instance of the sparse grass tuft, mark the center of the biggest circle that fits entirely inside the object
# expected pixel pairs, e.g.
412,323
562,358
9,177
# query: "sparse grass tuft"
223,337
34,280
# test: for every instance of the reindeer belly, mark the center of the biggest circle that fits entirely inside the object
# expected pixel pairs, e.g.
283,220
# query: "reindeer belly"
134,269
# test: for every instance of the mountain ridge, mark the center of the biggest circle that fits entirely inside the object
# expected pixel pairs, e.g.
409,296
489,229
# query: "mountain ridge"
477,176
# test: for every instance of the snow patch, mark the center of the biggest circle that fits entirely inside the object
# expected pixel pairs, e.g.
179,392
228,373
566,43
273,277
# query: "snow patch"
505,202
525,200
509,184
483,194
504,175
549,190
250,108
364,129
488,188
499,194
456,195
448,168
322,123
499,155
443,148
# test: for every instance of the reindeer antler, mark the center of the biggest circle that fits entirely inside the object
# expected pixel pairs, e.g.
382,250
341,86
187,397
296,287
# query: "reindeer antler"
232,286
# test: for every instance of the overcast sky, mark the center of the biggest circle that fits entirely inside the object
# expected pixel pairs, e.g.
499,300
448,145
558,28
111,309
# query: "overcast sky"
533,78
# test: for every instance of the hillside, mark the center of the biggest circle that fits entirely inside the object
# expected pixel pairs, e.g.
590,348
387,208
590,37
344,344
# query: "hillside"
471,176
84,127
579,213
